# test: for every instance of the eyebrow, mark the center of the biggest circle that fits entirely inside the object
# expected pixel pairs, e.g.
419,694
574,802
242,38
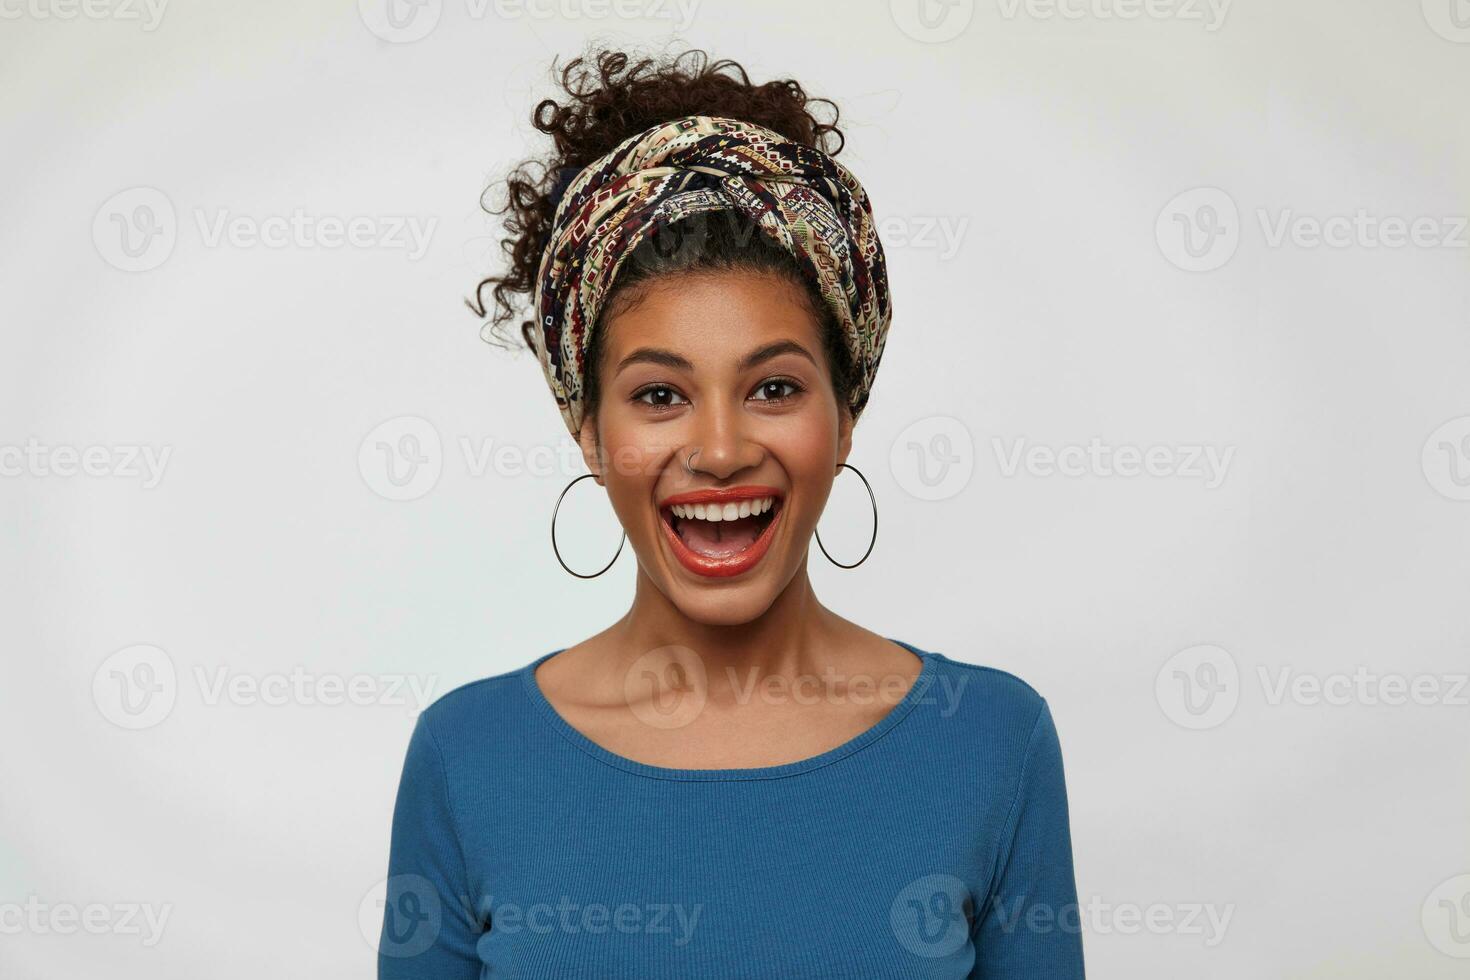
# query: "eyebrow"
669,359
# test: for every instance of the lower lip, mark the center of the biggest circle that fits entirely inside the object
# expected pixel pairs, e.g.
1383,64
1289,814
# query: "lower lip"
721,567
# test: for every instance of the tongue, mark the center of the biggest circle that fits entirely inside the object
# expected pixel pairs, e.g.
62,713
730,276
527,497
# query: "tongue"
719,539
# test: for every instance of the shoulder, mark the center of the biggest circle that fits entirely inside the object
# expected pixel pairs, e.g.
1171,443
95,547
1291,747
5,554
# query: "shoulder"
991,710
989,688
479,713
997,731
1000,682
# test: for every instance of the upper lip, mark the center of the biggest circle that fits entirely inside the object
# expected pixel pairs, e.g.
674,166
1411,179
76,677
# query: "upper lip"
721,495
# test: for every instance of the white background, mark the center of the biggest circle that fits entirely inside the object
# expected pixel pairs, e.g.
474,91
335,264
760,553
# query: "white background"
1053,145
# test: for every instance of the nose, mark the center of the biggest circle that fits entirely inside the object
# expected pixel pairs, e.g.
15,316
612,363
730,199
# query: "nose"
722,442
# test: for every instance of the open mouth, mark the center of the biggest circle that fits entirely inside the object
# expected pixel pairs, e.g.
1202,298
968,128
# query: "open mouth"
721,530
721,537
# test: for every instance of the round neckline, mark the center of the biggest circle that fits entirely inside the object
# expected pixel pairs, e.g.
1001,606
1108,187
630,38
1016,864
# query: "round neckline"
880,728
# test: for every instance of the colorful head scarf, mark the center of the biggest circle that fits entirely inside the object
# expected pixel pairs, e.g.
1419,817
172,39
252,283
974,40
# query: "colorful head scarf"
800,197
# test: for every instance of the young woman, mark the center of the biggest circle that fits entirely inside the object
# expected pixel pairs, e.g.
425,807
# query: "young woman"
731,780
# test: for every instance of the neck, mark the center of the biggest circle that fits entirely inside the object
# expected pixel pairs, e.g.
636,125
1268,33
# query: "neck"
796,635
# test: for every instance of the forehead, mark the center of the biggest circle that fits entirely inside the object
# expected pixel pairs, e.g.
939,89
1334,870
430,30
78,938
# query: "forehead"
714,316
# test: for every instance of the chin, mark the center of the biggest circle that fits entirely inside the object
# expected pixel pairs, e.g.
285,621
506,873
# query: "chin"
732,606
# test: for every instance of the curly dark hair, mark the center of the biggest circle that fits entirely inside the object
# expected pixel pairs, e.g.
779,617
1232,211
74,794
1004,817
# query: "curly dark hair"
609,97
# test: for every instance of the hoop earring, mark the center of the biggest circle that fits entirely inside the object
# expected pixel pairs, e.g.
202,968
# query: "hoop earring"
557,551
873,540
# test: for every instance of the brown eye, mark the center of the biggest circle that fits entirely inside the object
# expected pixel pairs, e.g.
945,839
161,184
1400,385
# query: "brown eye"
773,390
662,396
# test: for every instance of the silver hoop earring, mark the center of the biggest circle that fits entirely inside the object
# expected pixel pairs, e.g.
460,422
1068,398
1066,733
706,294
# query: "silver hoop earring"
689,463
873,540
557,551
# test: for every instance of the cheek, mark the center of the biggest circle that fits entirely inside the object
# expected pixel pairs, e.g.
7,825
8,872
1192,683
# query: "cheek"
806,445
631,469
625,451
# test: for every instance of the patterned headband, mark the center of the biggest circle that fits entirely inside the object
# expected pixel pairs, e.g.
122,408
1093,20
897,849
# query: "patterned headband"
800,197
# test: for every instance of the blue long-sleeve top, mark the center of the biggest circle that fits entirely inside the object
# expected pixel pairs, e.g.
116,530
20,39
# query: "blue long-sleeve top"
933,845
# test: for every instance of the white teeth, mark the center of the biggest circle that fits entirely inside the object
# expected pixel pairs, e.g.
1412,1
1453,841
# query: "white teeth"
723,512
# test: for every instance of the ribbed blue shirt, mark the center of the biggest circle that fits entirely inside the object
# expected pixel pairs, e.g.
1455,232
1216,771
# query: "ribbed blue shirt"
933,845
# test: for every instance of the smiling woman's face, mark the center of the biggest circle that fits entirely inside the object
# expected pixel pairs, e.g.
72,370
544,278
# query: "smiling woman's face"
731,364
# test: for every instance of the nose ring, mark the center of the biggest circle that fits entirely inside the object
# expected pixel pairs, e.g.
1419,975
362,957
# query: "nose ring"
688,463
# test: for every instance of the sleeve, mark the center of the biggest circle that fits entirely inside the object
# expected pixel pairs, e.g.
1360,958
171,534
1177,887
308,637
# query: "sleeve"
1030,924
429,924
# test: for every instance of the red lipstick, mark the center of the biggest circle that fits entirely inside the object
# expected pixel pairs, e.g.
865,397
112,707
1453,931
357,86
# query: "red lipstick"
711,566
